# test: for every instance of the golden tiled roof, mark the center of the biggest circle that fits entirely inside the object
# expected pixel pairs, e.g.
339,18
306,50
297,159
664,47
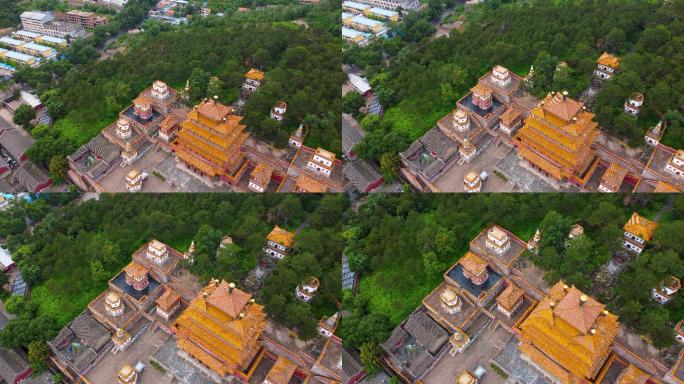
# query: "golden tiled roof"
568,332
136,270
466,378
578,310
547,364
220,329
471,176
562,106
255,74
142,99
262,173
214,110
309,184
481,90
609,60
229,299
168,299
614,176
473,263
509,116
281,372
281,236
664,187
510,297
325,153
640,226
633,375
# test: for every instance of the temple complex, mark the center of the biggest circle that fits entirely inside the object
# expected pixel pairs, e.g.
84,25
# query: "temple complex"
637,231
495,107
159,135
209,142
487,310
220,329
557,138
120,315
279,242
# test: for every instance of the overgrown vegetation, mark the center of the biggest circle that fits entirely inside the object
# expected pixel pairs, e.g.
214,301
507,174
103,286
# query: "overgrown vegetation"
72,251
402,244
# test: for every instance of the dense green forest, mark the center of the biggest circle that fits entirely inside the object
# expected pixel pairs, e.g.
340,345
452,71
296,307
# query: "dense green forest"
76,247
301,62
420,78
402,244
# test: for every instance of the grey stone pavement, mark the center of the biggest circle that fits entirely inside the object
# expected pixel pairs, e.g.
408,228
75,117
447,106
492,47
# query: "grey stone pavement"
510,361
175,365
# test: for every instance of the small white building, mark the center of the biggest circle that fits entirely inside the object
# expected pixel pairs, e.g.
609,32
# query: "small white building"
666,289
328,325
307,289
607,66
157,252
297,137
654,134
278,111
279,242
498,240
637,231
321,162
675,165
134,180
634,103
472,182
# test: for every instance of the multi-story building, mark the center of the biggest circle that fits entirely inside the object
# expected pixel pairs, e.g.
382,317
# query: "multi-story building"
209,142
220,331
404,5
353,36
637,231
253,80
607,66
321,162
549,334
557,139
134,181
279,242
35,21
116,3
85,19
472,182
